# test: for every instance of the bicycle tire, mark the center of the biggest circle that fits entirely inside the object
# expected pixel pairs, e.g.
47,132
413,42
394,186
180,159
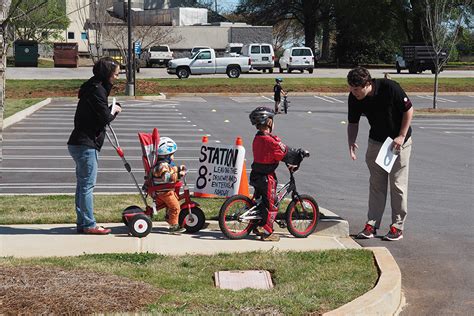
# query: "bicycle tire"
229,223
302,224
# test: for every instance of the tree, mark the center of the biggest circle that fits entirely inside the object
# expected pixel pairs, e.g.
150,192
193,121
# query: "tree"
308,13
443,21
364,32
39,20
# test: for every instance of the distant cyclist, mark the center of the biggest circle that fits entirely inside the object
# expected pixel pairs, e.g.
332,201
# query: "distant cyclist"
278,91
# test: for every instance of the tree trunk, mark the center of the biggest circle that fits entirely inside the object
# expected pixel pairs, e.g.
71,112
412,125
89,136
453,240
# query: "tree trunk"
4,9
435,88
310,23
325,49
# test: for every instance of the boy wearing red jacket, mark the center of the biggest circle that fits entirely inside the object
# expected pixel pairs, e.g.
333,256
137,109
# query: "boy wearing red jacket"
268,151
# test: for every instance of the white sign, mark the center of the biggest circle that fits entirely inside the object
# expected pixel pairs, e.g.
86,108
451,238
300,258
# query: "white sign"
220,170
386,157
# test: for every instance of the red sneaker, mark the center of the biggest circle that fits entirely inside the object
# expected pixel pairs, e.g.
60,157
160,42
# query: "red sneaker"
394,234
368,232
98,230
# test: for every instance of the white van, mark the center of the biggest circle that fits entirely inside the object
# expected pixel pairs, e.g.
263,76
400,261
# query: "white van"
233,49
300,58
261,56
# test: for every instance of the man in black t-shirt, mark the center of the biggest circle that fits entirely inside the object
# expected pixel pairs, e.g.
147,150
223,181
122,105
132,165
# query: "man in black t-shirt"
389,112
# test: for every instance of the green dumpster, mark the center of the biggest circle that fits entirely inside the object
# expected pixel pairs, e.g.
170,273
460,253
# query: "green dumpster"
26,53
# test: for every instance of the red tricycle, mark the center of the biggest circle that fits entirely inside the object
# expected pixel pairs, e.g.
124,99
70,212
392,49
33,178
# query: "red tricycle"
191,217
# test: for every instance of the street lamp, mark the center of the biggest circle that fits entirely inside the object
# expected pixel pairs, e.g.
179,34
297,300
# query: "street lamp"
130,88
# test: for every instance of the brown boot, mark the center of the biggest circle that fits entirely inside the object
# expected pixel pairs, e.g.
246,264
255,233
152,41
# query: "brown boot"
271,237
258,231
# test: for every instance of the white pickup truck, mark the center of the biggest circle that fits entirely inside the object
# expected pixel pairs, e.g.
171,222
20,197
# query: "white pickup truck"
205,62
157,55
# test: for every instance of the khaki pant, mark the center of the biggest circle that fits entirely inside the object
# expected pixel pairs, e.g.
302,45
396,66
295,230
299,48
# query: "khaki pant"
379,181
172,203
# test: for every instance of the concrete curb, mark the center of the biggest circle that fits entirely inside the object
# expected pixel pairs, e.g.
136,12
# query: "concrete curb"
17,117
386,297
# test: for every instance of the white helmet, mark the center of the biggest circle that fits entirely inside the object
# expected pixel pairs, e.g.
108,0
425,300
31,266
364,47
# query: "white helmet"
167,146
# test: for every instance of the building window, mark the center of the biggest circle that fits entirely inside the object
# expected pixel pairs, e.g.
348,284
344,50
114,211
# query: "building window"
83,35
70,35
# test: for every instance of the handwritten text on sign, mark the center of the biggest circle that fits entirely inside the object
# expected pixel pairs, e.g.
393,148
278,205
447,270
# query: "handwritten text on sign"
220,169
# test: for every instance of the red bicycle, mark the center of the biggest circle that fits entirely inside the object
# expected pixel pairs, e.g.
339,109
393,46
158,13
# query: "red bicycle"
239,214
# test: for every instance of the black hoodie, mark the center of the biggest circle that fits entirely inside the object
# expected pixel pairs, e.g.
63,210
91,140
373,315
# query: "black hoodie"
92,114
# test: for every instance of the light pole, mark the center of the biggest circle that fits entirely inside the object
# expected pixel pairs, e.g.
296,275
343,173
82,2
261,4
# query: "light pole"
130,89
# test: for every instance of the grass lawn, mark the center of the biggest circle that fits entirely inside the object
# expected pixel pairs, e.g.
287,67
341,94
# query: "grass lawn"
56,209
19,89
305,282
16,105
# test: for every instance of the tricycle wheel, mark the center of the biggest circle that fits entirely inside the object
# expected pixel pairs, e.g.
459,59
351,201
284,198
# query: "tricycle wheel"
132,209
140,225
194,221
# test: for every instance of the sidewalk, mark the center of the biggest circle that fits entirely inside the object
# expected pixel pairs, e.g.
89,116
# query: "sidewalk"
62,240
49,240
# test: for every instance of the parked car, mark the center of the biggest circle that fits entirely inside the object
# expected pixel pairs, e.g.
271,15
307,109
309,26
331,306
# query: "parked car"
418,58
206,62
157,55
196,49
297,58
261,55
233,49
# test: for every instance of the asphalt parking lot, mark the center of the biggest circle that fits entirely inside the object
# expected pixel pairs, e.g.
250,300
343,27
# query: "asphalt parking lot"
36,158
434,256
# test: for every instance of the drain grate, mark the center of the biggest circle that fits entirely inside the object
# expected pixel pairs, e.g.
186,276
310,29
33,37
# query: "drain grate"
237,279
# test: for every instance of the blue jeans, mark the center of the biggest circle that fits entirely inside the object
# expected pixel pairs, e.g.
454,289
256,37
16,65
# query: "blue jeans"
86,160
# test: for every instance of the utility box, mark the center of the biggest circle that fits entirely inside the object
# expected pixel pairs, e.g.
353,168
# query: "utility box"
26,53
66,55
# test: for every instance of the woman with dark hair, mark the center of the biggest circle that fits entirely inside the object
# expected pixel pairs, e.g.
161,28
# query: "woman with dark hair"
86,140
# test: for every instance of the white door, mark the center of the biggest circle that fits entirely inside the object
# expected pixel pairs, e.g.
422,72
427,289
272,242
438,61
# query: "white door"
203,63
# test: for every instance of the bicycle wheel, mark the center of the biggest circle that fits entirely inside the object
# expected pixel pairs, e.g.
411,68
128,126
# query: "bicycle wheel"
302,223
230,222
285,106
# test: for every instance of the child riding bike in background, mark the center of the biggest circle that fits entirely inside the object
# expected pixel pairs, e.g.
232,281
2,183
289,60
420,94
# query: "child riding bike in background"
165,172
278,91
268,150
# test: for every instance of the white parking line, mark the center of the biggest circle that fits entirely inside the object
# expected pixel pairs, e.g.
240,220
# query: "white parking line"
443,100
157,120
468,128
267,98
132,158
165,129
64,141
324,99
105,148
117,124
65,170
449,132
98,186
331,98
174,115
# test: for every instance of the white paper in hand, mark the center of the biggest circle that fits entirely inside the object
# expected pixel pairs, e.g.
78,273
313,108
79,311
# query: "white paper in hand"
114,107
386,158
